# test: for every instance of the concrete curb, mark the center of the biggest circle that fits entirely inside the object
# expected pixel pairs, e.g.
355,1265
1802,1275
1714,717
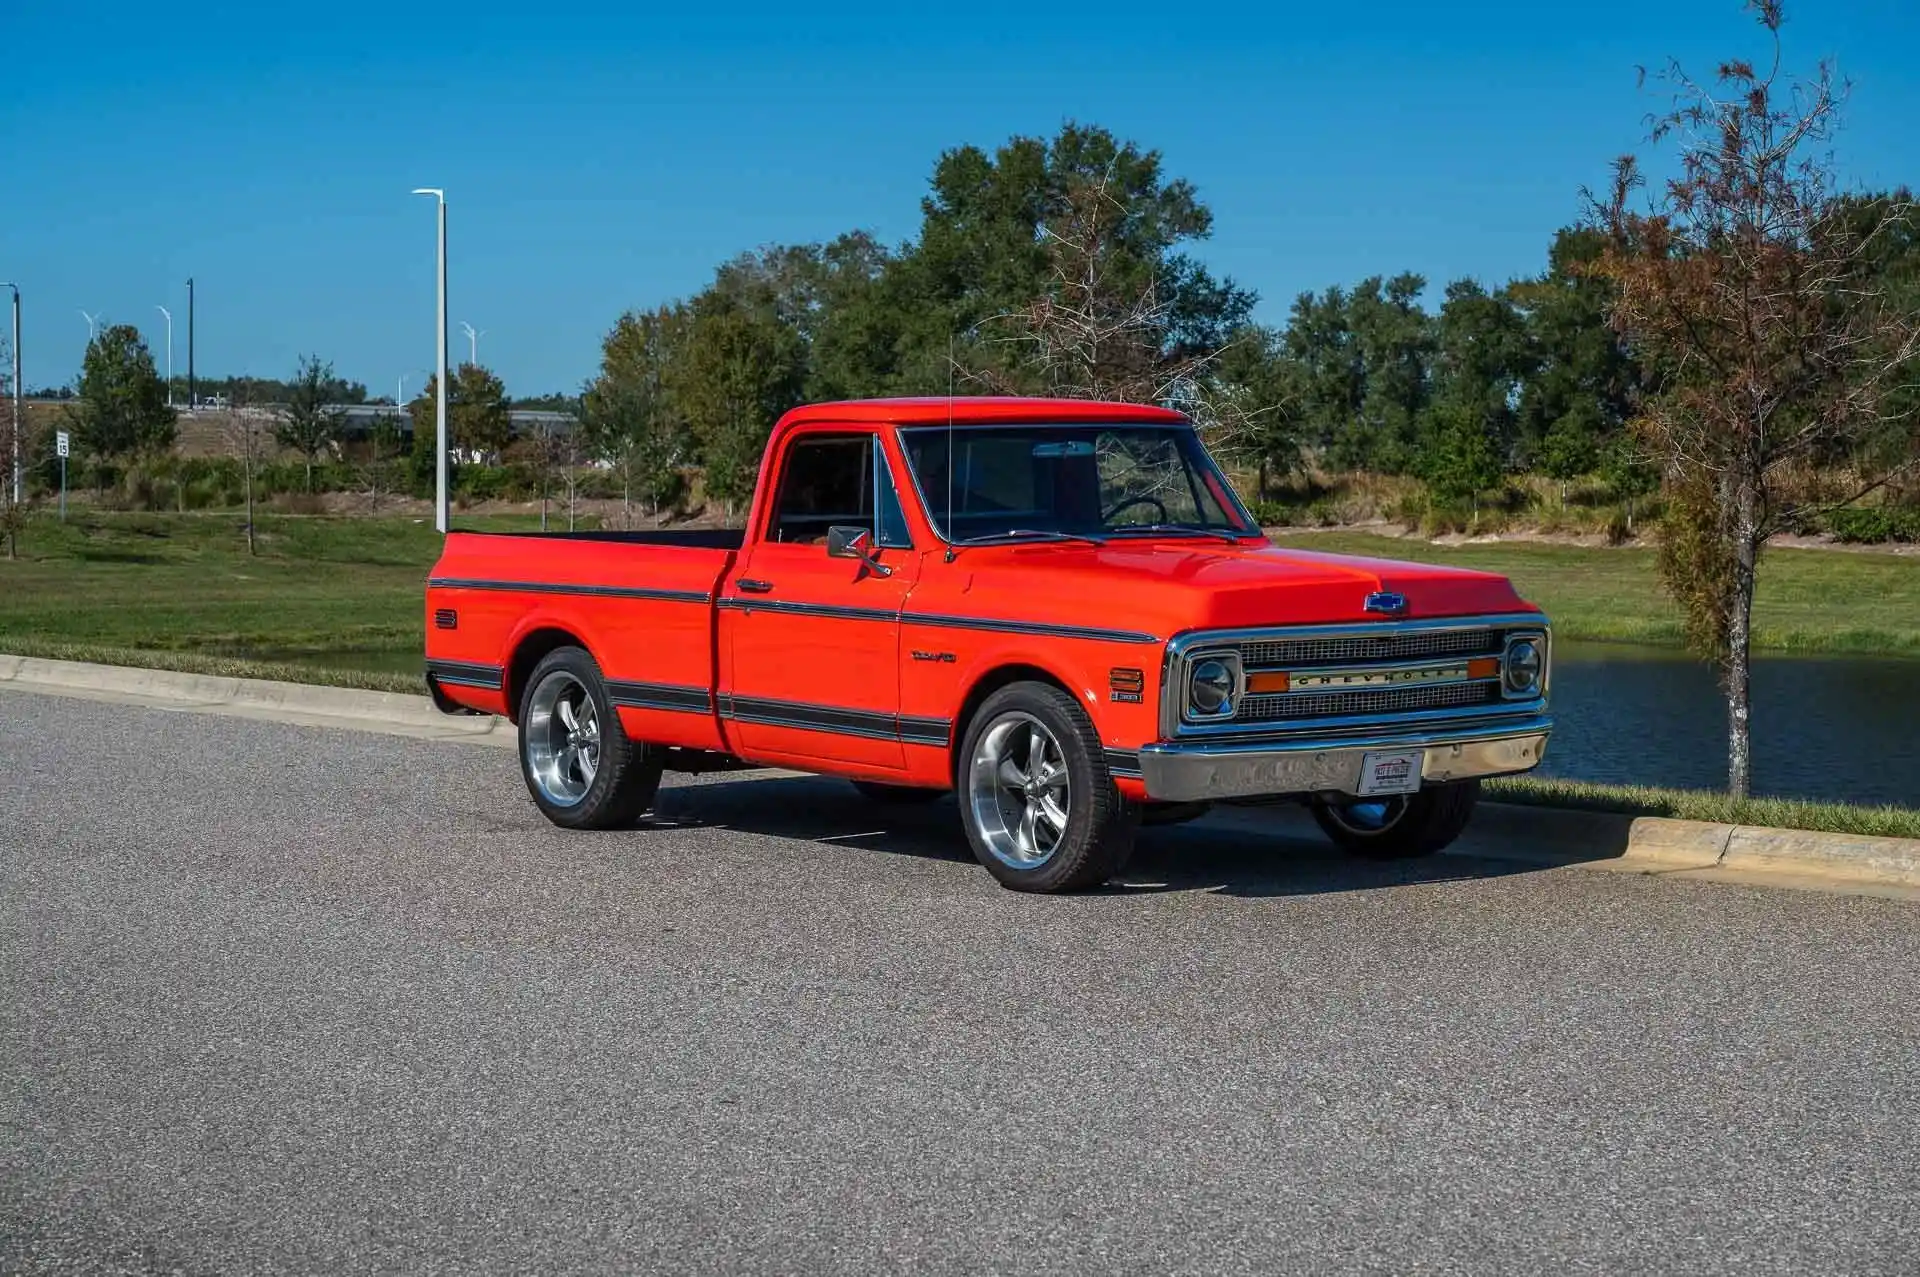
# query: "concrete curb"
304,703
1500,831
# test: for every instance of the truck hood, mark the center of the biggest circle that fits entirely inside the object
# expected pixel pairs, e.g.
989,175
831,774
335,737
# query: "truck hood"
1165,587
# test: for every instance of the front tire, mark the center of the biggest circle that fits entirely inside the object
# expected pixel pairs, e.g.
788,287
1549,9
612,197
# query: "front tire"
1040,809
579,765
1400,827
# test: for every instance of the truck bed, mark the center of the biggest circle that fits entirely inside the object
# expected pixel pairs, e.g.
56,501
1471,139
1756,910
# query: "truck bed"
641,602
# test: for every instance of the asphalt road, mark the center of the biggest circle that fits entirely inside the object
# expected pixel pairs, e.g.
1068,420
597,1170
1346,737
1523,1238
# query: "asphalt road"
282,999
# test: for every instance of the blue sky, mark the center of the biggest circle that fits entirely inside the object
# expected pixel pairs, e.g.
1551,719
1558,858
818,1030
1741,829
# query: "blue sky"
601,158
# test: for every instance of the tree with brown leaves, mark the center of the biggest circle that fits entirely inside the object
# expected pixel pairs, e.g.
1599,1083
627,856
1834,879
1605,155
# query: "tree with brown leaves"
1745,288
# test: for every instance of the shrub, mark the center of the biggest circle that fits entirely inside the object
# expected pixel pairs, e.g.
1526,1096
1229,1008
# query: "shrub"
1873,525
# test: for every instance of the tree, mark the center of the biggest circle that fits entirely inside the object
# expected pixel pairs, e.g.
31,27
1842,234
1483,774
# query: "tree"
1745,287
1462,459
1578,393
385,440
246,434
478,418
627,415
737,371
311,423
1481,358
123,403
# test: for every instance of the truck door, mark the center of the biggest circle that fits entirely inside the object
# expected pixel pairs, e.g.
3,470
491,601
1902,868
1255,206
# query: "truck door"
810,643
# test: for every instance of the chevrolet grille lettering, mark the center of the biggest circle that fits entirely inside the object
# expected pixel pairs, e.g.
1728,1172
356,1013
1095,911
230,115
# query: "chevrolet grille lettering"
1339,679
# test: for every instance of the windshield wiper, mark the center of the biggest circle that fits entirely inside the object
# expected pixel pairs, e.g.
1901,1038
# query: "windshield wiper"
1032,534
1181,529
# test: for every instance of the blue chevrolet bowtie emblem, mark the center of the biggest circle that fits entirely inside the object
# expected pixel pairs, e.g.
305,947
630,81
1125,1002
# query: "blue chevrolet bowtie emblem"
1386,601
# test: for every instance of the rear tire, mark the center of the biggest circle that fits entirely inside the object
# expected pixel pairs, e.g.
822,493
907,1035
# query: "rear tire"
1403,826
1038,804
895,795
580,766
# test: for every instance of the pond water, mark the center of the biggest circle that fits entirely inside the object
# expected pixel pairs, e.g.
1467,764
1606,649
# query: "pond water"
1836,728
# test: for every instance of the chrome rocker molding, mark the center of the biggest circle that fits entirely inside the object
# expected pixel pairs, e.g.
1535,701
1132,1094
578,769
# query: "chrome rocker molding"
1195,771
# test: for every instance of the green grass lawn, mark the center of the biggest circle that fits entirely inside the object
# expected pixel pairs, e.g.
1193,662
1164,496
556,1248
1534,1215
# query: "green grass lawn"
1809,600
340,599
336,600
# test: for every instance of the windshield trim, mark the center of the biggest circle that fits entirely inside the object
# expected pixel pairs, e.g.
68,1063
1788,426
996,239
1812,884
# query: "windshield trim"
1249,526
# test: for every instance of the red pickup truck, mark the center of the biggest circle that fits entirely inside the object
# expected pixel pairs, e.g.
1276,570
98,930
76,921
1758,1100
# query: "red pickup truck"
1056,609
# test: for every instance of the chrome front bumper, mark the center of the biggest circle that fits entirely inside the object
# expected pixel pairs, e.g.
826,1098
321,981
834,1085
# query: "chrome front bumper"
1199,771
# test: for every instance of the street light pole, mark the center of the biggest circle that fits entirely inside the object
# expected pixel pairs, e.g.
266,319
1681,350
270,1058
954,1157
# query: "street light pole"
169,314
17,494
473,343
400,394
440,399
193,397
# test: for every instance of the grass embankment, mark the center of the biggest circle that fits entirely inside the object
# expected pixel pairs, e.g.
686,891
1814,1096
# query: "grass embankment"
326,600
1808,601
1686,804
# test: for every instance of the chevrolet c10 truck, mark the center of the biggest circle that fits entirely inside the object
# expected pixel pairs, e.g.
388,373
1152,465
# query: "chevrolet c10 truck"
1057,610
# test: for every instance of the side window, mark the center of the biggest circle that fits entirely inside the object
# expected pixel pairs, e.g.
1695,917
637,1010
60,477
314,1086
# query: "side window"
891,531
826,480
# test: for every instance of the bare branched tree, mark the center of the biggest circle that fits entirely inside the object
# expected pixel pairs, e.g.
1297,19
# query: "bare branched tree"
1103,327
246,432
1745,287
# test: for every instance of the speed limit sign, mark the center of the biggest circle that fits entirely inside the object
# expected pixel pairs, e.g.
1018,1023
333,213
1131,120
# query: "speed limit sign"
60,442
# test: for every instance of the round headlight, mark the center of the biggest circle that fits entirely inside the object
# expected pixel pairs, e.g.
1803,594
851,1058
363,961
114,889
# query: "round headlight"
1522,671
1210,690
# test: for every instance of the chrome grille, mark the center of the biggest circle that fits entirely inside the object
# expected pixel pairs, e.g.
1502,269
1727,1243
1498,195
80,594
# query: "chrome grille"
1258,709
1280,654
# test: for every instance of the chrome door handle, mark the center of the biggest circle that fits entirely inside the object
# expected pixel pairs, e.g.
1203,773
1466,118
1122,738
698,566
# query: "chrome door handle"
750,586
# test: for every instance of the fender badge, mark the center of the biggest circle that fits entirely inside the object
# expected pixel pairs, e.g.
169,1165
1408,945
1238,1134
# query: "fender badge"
1386,601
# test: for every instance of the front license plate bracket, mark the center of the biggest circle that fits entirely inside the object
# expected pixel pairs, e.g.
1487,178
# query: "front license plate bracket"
1395,771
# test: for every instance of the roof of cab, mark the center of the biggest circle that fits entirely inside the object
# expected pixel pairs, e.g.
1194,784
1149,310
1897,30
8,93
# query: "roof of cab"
974,410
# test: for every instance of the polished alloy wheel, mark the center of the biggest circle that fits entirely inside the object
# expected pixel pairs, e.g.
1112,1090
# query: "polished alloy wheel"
1019,790
562,737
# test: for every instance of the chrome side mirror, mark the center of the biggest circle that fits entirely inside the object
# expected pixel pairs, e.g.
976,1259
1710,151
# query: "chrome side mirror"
847,542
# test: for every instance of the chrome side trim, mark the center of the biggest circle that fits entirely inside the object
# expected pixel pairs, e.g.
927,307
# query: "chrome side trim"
830,718
760,603
1193,771
467,674
592,591
666,696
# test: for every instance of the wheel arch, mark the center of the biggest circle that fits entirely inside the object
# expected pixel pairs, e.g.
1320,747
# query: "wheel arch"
989,682
528,651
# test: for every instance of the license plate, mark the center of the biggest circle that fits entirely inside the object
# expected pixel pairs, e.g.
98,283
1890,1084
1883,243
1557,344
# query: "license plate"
1390,773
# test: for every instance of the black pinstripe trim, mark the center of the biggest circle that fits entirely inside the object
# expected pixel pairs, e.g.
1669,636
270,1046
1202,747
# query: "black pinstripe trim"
828,718
925,731
1027,627
466,674
1124,763
758,603
669,696
592,591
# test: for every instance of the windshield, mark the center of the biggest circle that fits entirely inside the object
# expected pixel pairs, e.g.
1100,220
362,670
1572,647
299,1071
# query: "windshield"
1080,481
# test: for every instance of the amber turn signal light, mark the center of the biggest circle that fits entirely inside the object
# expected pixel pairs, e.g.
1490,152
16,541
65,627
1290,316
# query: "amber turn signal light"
1258,684
1484,667
1122,679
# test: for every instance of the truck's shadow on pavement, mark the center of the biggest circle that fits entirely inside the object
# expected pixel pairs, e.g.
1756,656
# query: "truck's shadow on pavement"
1241,852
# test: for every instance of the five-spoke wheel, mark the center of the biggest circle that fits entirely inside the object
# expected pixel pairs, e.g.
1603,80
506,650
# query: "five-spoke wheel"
1040,808
580,766
1020,791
